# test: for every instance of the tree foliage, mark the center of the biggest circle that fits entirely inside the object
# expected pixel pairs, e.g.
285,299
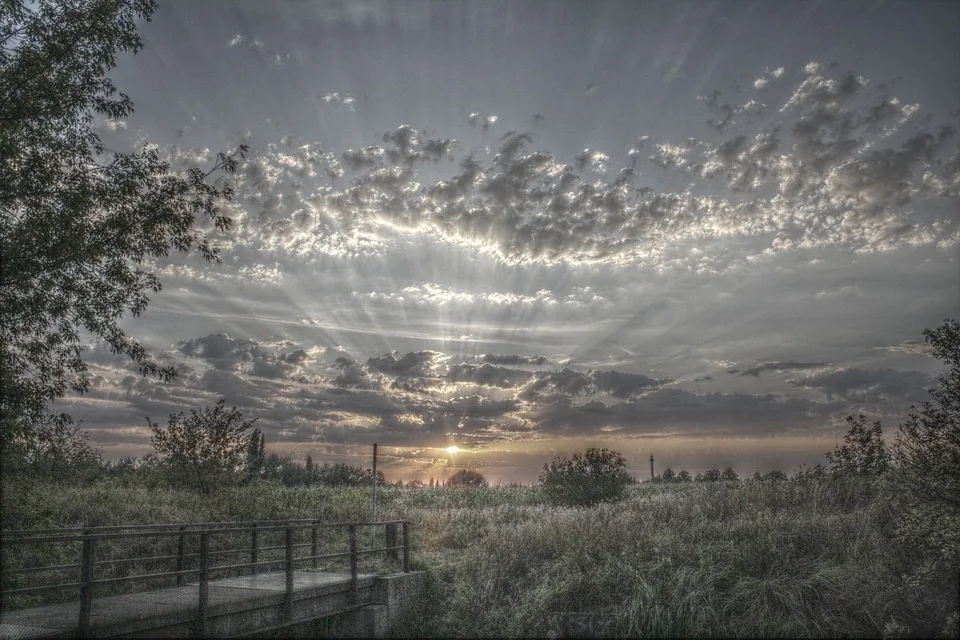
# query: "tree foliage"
863,451
467,478
205,450
927,447
54,448
599,475
79,228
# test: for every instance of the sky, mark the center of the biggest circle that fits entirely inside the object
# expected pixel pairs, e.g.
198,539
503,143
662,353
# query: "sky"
705,232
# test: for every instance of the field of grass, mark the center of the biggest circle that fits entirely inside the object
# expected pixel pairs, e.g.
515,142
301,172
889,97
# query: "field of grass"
818,558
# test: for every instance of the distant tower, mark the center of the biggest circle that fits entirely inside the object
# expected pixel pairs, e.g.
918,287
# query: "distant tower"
651,467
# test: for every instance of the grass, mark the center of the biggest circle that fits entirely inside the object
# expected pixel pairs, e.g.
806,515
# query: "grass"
788,559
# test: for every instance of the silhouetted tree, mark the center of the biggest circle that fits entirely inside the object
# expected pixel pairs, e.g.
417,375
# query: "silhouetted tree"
256,454
54,449
729,474
863,451
205,450
927,447
78,229
710,475
599,475
467,478
775,476
668,475
684,476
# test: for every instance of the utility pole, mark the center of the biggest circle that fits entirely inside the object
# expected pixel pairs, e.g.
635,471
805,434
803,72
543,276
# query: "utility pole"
373,528
651,464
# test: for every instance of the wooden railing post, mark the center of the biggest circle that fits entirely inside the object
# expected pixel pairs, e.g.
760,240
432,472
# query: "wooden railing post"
392,542
289,570
354,586
406,547
204,584
314,547
86,585
181,556
254,549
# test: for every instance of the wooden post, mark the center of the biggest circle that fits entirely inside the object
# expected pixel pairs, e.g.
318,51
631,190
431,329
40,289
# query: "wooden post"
201,630
406,547
373,527
181,556
314,546
86,586
392,541
255,548
354,586
289,571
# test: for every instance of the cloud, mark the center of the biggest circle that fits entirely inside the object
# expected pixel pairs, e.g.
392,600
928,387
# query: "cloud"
870,385
779,367
917,347
514,359
337,99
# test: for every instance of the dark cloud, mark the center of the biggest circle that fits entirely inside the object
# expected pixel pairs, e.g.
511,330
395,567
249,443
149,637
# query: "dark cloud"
871,385
488,375
514,359
778,367
414,363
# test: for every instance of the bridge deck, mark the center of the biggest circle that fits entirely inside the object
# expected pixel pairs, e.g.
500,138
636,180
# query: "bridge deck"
138,612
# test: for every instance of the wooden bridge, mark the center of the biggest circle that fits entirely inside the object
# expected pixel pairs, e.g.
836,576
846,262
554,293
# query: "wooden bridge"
122,593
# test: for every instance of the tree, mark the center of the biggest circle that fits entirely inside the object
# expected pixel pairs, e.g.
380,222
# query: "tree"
256,454
205,450
684,476
729,474
862,452
54,448
775,476
599,475
668,475
78,228
927,447
467,478
710,475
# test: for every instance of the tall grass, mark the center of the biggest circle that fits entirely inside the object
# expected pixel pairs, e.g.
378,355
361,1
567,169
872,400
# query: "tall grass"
813,558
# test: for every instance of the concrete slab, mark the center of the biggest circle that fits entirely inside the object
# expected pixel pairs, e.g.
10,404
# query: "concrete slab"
133,610
16,632
277,581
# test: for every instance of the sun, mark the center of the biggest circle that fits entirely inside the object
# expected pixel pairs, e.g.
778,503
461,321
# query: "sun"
453,449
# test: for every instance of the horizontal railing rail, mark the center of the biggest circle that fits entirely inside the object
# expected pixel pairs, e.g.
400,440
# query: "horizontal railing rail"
202,533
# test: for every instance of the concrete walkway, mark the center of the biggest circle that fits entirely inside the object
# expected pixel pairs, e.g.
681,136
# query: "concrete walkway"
131,613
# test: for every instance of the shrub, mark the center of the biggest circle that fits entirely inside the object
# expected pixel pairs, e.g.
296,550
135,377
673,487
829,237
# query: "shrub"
467,478
863,451
203,451
599,475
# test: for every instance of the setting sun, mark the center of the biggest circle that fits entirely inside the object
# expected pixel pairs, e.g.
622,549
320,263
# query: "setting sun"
452,449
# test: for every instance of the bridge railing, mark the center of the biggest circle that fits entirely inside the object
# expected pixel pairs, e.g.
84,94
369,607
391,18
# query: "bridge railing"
203,535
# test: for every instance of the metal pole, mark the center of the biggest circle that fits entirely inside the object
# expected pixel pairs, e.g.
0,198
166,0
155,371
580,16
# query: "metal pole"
289,568
373,527
353,564
314,547
255,548
204,584
181,557
406,547
86,586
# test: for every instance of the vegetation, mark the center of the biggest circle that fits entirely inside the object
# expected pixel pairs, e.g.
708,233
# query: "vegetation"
206,450
78,228
599,475
863,450
467,478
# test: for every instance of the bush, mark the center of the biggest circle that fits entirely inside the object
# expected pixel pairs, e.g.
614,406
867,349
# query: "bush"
863,451
599,475
467,478
203,451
